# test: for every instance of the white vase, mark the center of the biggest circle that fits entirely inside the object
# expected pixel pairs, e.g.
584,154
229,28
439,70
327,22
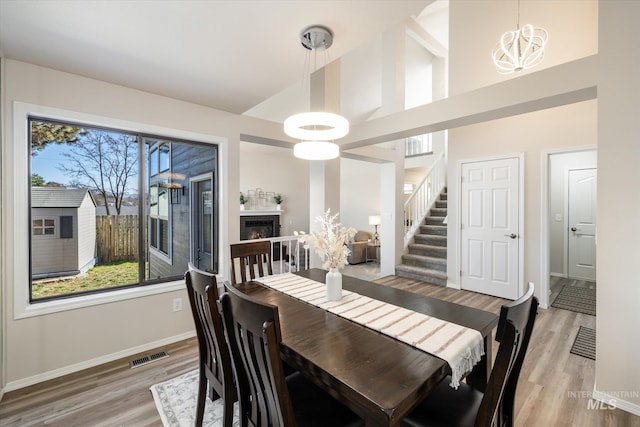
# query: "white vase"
333,282
241,207
278,207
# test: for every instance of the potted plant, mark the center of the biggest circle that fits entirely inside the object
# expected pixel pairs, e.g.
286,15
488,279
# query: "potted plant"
242,200
278,199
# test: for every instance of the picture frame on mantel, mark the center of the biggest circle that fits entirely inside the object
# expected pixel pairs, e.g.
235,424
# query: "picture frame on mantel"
261,200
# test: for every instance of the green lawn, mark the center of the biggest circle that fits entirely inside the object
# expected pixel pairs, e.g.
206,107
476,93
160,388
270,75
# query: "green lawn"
99,277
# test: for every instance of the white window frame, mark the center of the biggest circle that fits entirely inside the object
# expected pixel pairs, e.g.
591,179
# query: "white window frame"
15,220
44,227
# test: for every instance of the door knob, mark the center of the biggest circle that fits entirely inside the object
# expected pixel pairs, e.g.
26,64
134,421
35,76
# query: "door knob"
512,235
574,229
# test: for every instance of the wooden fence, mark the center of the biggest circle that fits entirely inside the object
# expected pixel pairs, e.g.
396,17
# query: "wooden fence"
116,238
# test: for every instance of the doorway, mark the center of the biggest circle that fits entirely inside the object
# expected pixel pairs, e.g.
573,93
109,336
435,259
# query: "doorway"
569,222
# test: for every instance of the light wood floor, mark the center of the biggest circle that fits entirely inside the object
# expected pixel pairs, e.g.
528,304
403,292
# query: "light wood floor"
114,395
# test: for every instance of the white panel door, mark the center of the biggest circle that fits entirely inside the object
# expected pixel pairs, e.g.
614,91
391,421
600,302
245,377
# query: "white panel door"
582,224
489,223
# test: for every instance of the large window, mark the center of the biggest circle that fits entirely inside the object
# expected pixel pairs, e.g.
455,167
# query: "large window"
125,202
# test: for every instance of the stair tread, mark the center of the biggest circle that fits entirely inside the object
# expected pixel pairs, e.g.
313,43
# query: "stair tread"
431,236
418,257
428,250
422,270
425,246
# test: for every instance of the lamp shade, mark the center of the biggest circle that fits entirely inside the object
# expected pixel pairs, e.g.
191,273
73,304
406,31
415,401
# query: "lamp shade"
374,220
519,50
316,126
316,150
316,129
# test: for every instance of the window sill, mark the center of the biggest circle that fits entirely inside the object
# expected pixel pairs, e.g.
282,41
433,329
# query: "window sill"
56,306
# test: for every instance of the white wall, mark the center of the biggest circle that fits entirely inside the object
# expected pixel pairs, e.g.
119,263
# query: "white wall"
559,166
618,250
614,122
275,169
359,193
48,345
475,27
418,75
531,134
360,90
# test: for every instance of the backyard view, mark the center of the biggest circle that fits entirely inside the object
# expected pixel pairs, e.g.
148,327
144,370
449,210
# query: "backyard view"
99,277
84,187
104,201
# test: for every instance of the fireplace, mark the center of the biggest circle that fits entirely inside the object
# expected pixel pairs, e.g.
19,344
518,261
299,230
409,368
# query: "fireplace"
261,227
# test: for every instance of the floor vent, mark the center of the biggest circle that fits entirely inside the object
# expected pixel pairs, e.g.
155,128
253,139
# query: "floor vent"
147,359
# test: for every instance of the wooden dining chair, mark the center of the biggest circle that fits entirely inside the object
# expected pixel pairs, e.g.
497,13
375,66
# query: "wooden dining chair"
216,370
267,398
250,256
467,406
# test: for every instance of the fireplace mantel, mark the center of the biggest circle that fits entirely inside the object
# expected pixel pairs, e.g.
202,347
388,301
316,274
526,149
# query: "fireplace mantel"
256,212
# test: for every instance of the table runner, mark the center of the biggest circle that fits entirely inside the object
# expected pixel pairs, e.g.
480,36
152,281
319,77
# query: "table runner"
459,346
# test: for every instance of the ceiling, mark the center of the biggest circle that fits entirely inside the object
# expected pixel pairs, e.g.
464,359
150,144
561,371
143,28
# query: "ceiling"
229,55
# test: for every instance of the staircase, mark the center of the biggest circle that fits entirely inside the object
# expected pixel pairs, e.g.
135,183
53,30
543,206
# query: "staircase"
427,257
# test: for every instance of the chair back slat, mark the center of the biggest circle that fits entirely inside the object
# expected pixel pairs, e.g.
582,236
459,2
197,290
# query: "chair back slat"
254,338
250,256
514,330
523,315
215,358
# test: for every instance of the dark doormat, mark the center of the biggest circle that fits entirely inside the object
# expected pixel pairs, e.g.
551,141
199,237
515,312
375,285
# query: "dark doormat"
574,298
585,343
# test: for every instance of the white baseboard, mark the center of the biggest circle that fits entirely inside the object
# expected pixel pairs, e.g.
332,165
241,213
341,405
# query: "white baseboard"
56,373
453,285
561,275
615,401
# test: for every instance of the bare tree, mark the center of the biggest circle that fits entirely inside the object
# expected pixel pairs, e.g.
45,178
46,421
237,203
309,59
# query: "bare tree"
105,162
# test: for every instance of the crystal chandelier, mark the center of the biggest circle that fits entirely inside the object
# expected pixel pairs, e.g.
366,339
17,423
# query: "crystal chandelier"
315,129
519,49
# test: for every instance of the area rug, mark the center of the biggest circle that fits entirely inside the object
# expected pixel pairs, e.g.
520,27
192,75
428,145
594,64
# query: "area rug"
574,298
176,403
585,343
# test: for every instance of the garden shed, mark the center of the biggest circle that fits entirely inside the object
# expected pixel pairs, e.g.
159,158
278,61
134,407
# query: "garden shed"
63,231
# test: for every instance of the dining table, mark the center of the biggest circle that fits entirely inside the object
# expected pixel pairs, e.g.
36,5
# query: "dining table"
378,377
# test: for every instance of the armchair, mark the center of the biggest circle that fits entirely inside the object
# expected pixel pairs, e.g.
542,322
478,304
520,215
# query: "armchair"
358,247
